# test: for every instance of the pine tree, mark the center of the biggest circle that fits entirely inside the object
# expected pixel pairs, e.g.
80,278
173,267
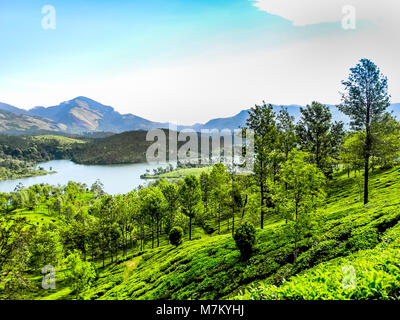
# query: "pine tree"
365,101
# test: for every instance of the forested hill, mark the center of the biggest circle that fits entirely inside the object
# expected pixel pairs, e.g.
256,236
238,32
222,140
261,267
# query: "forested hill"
127,147
123,148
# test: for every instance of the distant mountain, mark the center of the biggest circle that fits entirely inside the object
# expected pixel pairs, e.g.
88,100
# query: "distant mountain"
17,123
294,110
7,107
81,115
239,120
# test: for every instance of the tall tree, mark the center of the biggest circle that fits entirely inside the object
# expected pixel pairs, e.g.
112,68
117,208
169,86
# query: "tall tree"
171,195
153,204
190,196
300,193
313,129
287,132
205,183
386,146
219,190
262,121
365,100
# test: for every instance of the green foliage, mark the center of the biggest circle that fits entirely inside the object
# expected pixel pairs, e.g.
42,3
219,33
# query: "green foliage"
300,194
365,100
376,278
80,274
45,248
190,198
245,239
319,136
262,121
175,236
208,227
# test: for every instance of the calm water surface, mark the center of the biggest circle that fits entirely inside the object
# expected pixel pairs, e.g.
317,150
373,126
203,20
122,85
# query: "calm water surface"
117,179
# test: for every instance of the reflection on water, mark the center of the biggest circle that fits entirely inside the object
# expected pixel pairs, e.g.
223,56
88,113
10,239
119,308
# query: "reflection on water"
117,179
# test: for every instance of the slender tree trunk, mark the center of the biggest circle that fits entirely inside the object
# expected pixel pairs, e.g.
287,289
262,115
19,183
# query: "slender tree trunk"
158,234
366,177
152,235
233,223
190,227
367,154
219,219
262,201
295,236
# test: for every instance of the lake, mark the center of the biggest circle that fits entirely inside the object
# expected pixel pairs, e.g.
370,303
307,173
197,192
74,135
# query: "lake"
117,179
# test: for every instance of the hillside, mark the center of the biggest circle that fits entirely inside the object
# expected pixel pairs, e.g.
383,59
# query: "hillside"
15,123
127,147
123,148
211,268
18,154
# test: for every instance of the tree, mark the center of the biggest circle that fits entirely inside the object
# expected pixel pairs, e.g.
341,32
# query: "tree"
303,194
352,152
97,189
365,100
190,198
171,195
262,121
80,274
15,236
219,190
317,134
205,183
245,238
175,236
286,132
45,248
237,201
153,205
386,146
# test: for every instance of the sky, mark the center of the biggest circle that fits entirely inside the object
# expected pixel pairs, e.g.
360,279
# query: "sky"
188,61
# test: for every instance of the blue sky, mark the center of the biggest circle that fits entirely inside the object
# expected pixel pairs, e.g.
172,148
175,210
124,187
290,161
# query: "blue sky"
154,58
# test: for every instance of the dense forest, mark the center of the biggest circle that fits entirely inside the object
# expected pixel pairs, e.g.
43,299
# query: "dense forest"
18,154
323,198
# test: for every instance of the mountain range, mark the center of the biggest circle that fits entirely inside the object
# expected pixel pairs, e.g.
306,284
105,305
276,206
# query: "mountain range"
82,115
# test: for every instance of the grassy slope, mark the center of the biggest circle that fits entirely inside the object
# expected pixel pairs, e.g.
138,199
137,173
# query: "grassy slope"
211,268
63,141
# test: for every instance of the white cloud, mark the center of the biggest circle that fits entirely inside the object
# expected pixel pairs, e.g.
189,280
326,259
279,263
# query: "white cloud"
215,85
308,12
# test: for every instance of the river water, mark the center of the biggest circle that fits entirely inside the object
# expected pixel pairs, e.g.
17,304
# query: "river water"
117,179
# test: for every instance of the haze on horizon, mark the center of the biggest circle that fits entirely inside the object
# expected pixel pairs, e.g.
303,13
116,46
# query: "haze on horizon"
188,61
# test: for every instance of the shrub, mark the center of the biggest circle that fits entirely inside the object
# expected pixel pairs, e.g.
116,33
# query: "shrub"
80,274
363,238
208,227
245,238
175,236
